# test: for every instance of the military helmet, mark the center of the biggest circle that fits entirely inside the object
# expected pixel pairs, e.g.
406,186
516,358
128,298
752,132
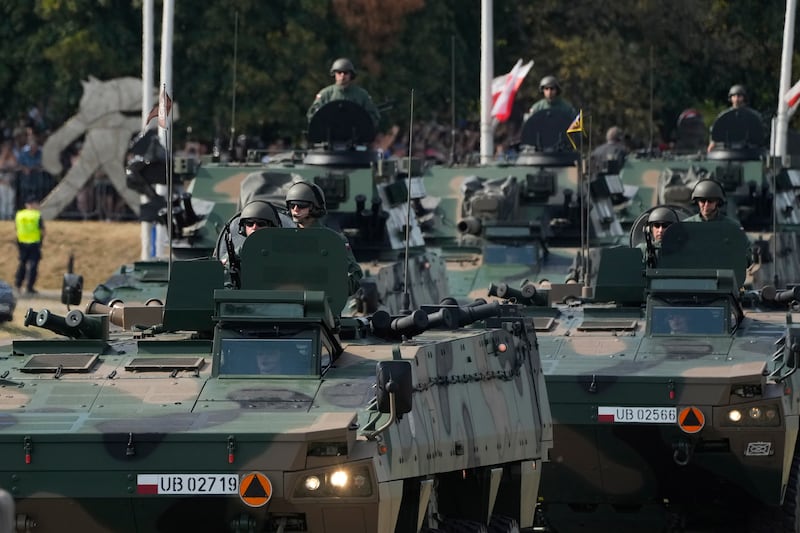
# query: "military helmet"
549,81
708,189
303,191
737,89
343,65
260,210
614,134
662,214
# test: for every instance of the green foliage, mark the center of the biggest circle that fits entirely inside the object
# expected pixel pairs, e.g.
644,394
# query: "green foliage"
607,55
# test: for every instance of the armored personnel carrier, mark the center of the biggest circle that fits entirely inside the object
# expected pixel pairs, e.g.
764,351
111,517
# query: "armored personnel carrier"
263,409
673,392
737,161
377,204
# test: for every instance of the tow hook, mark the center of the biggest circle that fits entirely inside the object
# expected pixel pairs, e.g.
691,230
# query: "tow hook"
682,453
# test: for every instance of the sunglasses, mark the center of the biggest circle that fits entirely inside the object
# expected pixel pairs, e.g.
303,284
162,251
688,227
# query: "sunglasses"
299,205
250,222
660,224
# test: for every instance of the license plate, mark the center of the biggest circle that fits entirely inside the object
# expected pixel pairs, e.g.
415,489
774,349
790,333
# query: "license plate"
637,415
187,484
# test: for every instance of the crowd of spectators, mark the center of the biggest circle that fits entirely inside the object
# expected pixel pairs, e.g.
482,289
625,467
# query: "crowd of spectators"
23,176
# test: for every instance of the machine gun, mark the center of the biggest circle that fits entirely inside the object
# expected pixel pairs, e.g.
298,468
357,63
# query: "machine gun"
233,258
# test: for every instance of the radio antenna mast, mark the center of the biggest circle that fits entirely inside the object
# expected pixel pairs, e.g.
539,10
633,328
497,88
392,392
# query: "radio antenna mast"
406,309
233,88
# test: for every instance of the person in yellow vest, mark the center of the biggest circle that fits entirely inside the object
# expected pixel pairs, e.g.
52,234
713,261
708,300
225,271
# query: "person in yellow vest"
30,236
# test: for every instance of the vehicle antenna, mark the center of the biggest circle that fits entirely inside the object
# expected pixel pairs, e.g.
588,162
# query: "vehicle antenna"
775,235
583,197
233,88
652,92
406,309
169,193
588,193
452,100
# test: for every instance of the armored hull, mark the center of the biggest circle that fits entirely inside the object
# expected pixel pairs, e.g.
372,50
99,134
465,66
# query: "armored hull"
256,409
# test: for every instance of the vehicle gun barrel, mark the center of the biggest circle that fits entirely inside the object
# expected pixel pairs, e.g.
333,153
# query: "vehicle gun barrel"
528,294
113,310
127,315
443,318
470,225
770,294
86,326
469,314
384,325
74,325
525,294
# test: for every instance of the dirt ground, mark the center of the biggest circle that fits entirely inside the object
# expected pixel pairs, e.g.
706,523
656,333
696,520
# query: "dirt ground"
99,248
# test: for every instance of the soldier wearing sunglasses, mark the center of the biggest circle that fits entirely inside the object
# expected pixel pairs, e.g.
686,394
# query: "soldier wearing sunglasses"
658,221
306,204
256,215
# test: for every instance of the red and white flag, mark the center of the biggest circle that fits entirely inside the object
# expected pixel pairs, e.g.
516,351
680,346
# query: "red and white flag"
793,98
164,107
504,89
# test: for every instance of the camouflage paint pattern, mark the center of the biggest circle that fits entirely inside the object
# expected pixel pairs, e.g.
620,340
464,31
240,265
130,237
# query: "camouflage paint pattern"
159,402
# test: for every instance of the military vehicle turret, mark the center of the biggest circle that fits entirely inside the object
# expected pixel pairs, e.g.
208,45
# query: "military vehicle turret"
674,392
736,160
263,409
368,199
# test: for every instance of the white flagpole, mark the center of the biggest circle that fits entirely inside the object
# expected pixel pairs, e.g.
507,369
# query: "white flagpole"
782,122
147,104
164,133
487,74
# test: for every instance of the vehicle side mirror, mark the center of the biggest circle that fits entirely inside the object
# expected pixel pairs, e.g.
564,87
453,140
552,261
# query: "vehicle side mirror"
394,377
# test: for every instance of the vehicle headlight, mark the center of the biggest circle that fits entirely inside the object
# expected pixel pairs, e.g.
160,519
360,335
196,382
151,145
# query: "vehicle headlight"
344,481
755,415
311,483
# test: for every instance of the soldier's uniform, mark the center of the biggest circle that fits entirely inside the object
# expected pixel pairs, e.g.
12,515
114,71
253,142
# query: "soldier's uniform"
719,218
352,93
311,194
347,91
556,103
354,272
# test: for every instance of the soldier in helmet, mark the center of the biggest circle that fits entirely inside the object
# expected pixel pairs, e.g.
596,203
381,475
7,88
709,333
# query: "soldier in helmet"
343,88
658,221
550,89
737,96
709,197
613,149
258,214
306,204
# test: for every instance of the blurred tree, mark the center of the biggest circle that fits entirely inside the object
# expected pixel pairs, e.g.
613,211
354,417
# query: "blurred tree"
604,53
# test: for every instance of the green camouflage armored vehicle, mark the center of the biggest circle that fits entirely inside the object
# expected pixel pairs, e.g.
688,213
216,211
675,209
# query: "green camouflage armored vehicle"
673,392
368,199
262,409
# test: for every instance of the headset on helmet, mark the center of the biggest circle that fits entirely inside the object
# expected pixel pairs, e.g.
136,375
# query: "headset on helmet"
708,189
343,65
259,209
303,191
